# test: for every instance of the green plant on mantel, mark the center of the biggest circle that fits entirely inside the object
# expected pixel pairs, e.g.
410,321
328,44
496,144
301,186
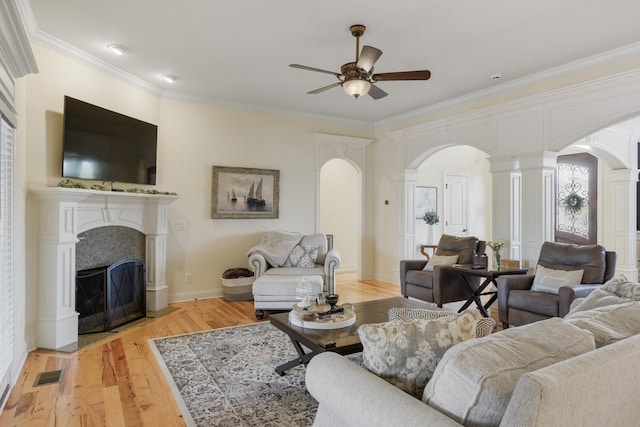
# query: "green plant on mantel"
67,183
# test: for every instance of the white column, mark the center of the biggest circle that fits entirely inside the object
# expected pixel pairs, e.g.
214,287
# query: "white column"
619,220
538,202
405,186
156,229
507,215
57,319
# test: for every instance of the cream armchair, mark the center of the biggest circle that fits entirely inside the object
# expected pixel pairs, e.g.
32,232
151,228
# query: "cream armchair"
276,279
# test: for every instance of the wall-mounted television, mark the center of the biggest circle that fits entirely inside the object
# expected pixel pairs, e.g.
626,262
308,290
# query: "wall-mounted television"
103,145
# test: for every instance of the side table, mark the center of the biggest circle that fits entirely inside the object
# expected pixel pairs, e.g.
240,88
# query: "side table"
424,247
490,277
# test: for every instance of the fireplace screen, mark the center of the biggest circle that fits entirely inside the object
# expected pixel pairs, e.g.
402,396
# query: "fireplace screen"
108,297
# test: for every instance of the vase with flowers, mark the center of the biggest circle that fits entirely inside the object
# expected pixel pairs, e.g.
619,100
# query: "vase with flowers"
496,246
430,218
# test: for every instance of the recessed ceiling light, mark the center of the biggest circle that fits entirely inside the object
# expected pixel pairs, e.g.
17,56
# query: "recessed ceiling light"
118,49
168,78
496,76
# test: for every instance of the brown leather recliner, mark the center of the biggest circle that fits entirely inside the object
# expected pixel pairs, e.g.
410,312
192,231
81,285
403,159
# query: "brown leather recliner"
440,286
519,305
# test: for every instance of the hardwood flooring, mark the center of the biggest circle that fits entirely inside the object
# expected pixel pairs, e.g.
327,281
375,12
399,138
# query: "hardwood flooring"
117,382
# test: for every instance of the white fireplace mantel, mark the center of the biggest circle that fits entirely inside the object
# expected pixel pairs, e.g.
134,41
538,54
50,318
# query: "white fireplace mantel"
63,213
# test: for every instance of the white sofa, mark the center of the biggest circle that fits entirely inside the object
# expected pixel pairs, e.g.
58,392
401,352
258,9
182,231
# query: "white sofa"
275,286
596,388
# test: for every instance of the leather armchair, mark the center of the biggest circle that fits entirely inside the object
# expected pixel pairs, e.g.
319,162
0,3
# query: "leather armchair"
519,305
441,285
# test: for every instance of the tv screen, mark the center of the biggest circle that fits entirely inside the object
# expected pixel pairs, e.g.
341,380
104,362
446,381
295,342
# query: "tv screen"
104,145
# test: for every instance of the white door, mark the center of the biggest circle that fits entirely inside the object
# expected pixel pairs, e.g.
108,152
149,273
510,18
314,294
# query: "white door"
455,205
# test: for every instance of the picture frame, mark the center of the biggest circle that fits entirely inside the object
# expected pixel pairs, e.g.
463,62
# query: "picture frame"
426,199
245,193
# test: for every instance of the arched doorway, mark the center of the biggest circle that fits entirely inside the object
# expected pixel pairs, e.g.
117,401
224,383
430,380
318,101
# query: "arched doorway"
437,172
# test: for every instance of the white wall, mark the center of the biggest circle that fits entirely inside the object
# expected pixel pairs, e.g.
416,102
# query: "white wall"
340,201
191,139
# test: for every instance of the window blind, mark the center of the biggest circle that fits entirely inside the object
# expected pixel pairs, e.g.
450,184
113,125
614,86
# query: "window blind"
6,248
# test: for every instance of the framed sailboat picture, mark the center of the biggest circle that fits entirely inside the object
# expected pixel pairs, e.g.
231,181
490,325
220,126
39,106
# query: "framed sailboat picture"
245,193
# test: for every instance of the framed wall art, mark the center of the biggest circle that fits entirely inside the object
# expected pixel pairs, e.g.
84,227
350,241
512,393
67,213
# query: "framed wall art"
426,199
245,193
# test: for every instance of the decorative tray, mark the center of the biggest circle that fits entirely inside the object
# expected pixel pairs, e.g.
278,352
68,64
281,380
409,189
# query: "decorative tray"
334,321
315,308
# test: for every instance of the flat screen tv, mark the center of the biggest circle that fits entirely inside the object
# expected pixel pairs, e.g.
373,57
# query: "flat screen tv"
103,145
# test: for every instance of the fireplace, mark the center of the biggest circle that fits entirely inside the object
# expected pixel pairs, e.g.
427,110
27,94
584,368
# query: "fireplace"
109,297
61,216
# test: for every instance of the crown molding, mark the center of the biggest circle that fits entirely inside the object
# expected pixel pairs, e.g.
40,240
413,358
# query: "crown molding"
624,52
15,49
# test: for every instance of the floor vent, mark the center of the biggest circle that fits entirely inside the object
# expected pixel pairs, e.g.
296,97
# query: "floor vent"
49,377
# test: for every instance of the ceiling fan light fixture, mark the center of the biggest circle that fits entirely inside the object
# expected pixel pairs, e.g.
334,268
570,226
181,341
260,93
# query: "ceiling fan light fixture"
356,87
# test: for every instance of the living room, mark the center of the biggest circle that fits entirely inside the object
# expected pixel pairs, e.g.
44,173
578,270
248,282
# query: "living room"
529,121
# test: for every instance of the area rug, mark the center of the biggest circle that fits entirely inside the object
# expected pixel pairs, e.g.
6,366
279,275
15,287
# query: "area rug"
226,377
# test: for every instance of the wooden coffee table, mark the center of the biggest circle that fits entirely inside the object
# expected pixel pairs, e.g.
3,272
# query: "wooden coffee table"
343,340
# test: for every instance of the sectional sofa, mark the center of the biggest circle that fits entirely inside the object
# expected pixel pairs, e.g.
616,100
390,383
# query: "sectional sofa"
583,370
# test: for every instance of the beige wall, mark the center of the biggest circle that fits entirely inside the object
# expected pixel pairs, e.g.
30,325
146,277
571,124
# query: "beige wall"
191,139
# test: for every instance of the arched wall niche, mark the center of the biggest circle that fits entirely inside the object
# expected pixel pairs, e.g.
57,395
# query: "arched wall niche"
352,150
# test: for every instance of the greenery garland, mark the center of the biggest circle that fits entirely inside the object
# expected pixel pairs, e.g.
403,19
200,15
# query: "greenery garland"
67,183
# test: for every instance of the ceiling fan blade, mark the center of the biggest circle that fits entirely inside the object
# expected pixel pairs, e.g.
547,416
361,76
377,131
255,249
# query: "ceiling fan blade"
376,93
304,67
322,89
402,75
368,57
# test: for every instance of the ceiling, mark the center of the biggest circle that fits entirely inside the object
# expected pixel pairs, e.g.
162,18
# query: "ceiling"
237,52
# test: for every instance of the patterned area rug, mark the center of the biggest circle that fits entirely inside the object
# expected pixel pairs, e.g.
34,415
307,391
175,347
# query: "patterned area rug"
226,377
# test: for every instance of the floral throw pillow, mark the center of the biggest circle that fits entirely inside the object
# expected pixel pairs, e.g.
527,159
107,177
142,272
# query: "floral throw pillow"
405,353
484,325
302,256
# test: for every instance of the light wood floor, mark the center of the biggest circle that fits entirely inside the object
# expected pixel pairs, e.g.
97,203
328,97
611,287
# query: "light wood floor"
117,382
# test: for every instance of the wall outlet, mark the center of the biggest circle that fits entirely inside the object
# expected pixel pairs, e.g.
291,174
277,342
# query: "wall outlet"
180,225
188,278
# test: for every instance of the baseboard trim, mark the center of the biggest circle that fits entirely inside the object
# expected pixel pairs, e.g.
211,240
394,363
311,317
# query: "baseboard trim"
194,295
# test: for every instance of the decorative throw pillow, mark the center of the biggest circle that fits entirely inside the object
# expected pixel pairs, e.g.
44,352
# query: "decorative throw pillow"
610,323
440,260
484,325
405,353
302,256
622,287
475,379
597,298
550,280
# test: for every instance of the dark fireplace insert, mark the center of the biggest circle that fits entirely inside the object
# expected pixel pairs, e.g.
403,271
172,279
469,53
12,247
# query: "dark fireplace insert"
112,296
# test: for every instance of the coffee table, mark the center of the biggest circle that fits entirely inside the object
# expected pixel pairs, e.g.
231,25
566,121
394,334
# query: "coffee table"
343,340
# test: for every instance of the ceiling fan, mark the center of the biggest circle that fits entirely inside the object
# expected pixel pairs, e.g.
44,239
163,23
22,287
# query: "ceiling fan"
357,78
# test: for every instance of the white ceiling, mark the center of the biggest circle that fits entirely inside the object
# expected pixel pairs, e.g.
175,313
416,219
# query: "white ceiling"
237,52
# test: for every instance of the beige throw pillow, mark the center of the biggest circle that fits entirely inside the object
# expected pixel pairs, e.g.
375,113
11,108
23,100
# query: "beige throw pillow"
550,280
440,260
405,353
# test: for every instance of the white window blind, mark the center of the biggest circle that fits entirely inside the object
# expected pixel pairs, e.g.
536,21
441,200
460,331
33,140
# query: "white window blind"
6,248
